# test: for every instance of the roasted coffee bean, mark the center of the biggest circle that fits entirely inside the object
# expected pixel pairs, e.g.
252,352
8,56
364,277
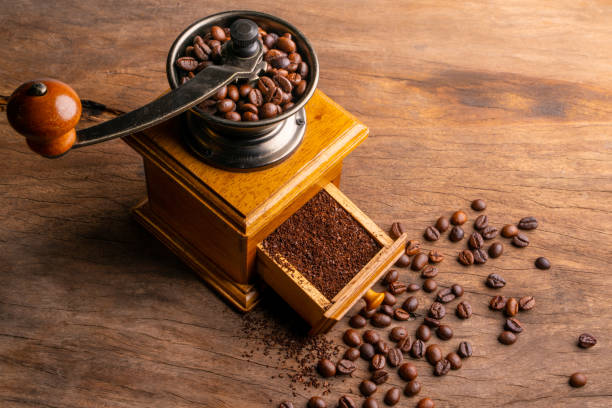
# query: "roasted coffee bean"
250,117
465,349
358,321
391,276
480,256
286,44
496,249
280,62
283,83
187,63
366,351
429,285
431,322
351,338
300,88
397,229
456,234
389,299
509,231
392,397
413,287
345,367
352,354
277,97
514,325
431,234
488,232
408,371
200,52
346,402
209,106
380,320
317,402
419,261
397,287
479,204
269,40
226,105
520,240
475,241
413,247
444,332
526,303
397,333
217,33
423,333
442,224
458,218
285,404
395,357
507,338
235,116
512,307
367,388
464,310
256,97
481,222
445,295
367,313
426,403
379,377
405,344
454,360
378,362
381,347
495,281
435,256
269,110
370,403
433,354
386,309
578,380
586,340
302,69
221,93
457,289
437,310
418,349
326,368
528,223
542,263
232,93
429,271
401,315
244,90
403,261
466,257
412,389
498,302
442,367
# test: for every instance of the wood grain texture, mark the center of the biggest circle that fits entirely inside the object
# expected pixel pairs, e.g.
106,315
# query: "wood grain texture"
508,101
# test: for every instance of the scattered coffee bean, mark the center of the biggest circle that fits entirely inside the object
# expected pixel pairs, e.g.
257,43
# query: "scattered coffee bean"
370,403
442,224
413,287
480,256
413,247
429,285
367,388
366,351
433,354
381,347
464,350
379,377
352,353
586,340
542,263
512,307
401,315
495,281
437,310
445,295
405,344
528,223
442,367
371,336
509,231
397,288
346,402
444,332
351,338
426,403
408,372
431,322
429,271
386,309
378,362
391,276
456,234
464,310
507,338
488,232
520,240
526,303
403,261
392,397
317,402
457,289
431,234
498,302
514,325
398,333
496,249
389,299
479,204
475,241
419,261
411,304
285,404
418,349
367,313
326,368
466,257
454,360
458,218
423,333
435,256
578,380
395,357
345,367
397,229
380,320
481,222
358,321
412,388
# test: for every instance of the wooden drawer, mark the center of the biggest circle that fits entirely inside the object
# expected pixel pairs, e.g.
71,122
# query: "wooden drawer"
322,313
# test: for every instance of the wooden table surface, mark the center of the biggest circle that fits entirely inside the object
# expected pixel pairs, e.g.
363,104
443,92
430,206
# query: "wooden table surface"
508,101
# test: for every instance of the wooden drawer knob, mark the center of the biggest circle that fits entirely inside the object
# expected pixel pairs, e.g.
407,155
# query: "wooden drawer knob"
373,299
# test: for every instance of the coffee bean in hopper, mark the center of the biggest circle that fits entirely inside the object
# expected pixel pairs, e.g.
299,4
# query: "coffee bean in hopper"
542,263
586,340
326,368
431,234
442,224
392,396
412,388
479,204
578,380
456,234
458,218
528,223
317,402
346,402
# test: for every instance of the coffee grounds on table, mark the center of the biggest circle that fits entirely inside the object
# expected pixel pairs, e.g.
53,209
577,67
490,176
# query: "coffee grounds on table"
324,243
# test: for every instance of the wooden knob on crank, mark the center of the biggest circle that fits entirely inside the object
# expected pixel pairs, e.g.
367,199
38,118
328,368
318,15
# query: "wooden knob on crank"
45,111
373,299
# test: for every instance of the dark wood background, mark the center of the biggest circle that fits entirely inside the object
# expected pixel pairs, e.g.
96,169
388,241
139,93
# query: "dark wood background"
508,101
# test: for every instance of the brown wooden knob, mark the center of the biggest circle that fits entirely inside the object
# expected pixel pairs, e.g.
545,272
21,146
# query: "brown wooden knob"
373,299
45,111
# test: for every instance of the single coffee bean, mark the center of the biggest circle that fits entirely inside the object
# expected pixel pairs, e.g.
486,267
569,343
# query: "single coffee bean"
346,402
326,368
381,347
285,404
367,313
397,287
397,229
352,353
413,287
378,362
412,388
419,261
266,86
509,231
408,371
495,281
366,351
370,403
286,44
244,90
429,285
457,289
431,322
429,271
302,69
426,403
351,338
507,338
586,340
512,307
520,240
358,321
413,247
256,97
488,232
380,320
514,325
423,333
410,304
578,380
431,234
444,332
187,63
403,261
458,218
235,116
389,299
232,93
395,357
465,349
437,310
454,360
475,241
371,336
542,263
445,295
464,310
481,222
442,367
269,110
526,303
466,257
498,302
392,397
401,315
367,388
480,256
249,116
442,224
479,204
379,377
345,367
435,256
418,349
456,234
386,309
433,354
528,223
405,344
226,105
317,402
397,333
496,249
391,276
217,33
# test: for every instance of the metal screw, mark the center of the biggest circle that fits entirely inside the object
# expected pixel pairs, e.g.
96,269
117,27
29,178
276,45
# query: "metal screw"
299,121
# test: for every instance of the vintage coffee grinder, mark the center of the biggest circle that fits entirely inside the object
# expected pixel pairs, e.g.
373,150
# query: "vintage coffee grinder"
217,188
